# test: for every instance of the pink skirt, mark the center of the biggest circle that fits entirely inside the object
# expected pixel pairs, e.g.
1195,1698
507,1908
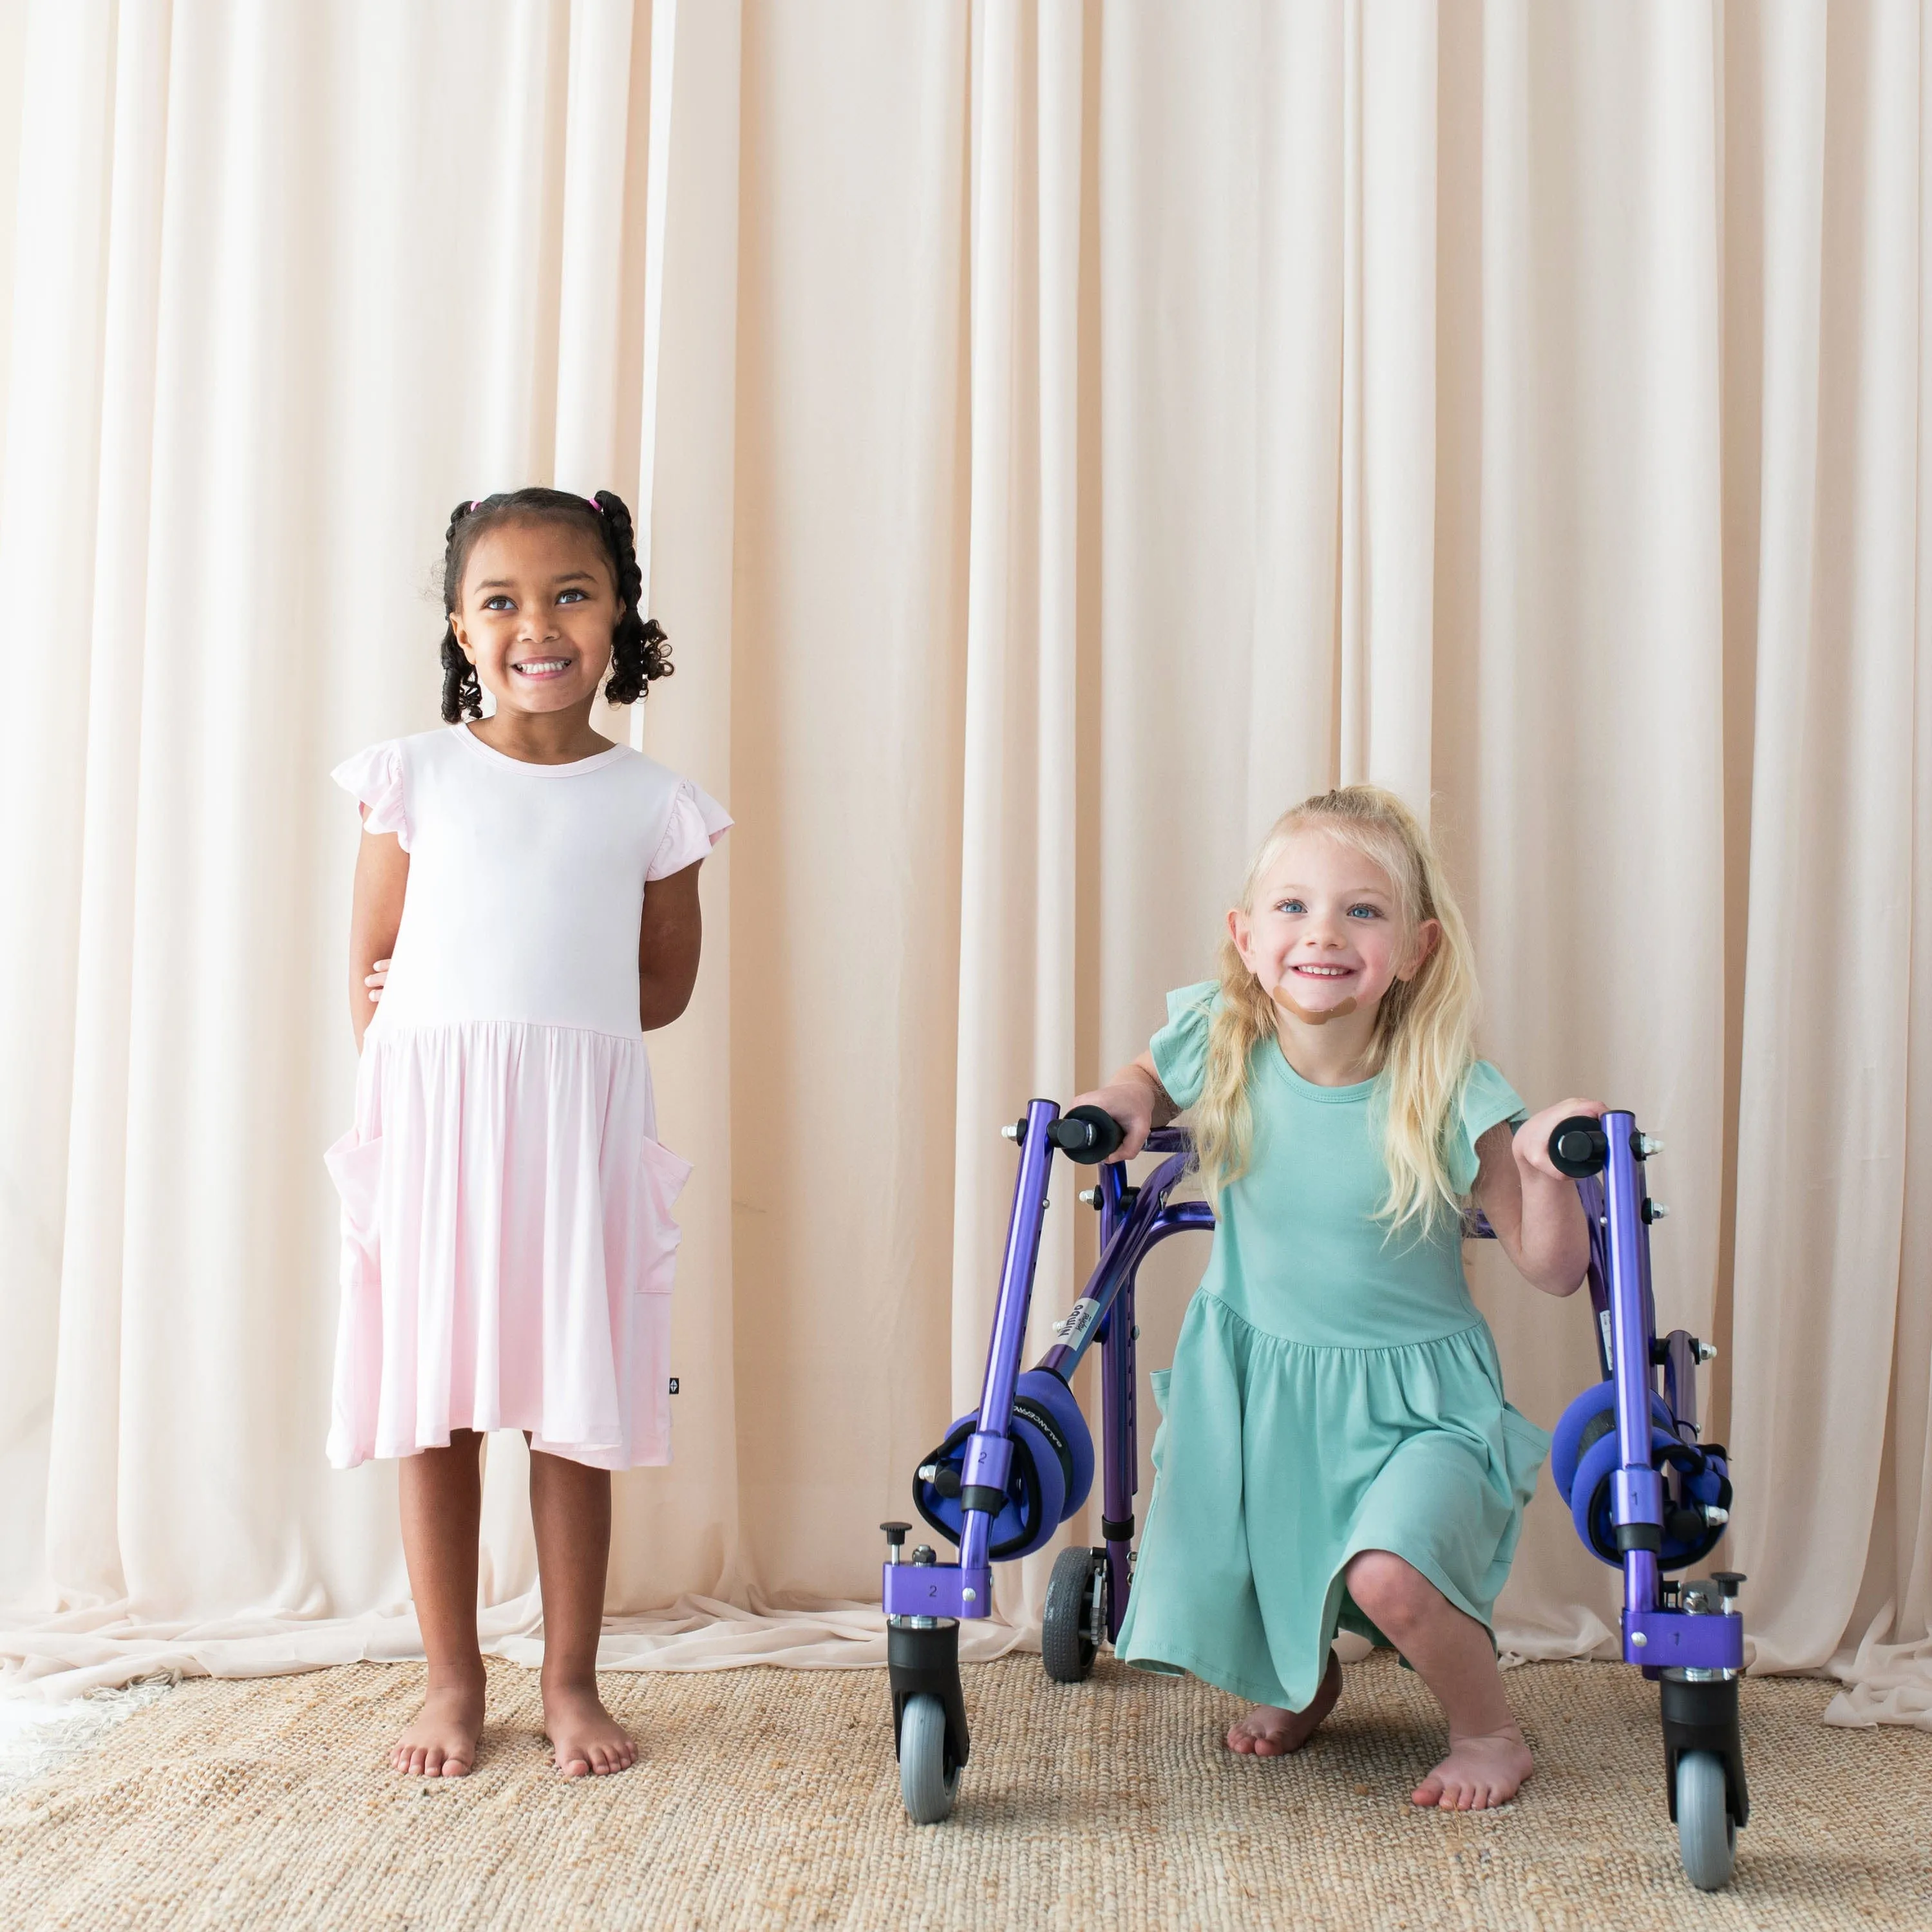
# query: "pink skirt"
507,1245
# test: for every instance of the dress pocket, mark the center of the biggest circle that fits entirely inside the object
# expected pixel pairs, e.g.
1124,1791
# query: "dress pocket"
356,1166
1158,1381
1524,1446
661,1175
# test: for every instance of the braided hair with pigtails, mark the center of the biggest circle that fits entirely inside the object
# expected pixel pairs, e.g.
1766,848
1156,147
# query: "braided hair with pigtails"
639,651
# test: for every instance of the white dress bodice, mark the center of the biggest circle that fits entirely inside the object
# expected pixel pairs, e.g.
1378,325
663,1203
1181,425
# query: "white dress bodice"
526,885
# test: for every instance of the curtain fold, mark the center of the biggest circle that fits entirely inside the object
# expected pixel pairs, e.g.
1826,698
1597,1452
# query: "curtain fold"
1823,1111
1062,437
1019,965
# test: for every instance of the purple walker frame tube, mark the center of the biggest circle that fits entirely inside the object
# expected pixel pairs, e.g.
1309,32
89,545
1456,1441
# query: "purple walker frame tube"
1653,1636
1119,1475
1132,1223
989,1450
964,1589
1129,1227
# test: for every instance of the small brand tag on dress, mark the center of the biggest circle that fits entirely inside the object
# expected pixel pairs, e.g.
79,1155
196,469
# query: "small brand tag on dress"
673,1385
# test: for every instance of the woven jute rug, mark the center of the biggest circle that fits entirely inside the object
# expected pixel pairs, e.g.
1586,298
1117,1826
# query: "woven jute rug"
769,1798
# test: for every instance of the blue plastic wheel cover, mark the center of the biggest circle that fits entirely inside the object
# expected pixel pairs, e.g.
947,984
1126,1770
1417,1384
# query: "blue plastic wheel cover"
1051,1475
1566,1440
1590,1510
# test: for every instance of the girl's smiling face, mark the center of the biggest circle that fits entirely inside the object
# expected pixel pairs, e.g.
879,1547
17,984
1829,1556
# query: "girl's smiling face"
1325,933
539,607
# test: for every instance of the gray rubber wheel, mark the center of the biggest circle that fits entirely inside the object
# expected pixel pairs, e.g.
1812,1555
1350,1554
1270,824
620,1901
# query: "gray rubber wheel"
927,1782
1705,1836
1067,1632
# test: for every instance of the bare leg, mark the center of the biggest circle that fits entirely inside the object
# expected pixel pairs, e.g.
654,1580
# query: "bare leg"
570,1506
1268,1731
1488,1760
442,1509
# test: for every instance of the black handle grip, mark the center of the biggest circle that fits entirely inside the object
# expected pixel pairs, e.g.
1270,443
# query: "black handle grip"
1580,1147
1086,1135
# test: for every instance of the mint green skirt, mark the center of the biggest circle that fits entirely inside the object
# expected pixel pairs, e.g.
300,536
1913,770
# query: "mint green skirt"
1277,1462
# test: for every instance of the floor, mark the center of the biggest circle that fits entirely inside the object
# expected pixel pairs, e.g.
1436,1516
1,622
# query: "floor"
769,1798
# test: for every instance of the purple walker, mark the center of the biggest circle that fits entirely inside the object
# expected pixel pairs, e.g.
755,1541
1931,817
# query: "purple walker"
1645,1495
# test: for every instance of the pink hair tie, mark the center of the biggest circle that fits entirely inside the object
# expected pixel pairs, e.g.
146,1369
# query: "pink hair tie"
594,504
476,504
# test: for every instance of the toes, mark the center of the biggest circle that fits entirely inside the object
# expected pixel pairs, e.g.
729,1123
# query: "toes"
1257,1744
455,1767
1430,1792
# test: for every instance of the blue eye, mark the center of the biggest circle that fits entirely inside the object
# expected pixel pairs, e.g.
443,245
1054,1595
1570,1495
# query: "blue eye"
1364,912
1291,905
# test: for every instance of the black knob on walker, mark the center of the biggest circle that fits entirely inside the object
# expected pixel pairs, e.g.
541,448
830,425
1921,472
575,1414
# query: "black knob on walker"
1579,1147
1730,1582
896,1532
1086,1135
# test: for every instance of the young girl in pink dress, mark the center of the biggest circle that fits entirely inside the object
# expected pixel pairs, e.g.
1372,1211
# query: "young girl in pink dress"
526,910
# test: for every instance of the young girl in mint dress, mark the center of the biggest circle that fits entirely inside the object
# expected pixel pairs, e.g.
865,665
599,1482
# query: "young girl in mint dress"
1336,1448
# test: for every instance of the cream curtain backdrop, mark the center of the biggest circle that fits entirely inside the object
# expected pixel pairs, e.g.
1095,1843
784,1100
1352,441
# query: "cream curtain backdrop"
1066,433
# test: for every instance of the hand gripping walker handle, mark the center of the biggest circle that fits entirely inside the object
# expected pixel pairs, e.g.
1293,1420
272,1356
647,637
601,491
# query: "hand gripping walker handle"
1086,1135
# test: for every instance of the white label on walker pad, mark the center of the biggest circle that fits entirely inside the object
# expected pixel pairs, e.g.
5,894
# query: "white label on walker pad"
1609,1353
1081,1318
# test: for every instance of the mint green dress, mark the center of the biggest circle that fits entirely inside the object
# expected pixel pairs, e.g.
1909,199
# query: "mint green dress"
1333,1390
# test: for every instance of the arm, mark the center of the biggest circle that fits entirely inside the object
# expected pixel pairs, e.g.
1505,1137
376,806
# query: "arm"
375,917
1534,1210
1136,1099
668,948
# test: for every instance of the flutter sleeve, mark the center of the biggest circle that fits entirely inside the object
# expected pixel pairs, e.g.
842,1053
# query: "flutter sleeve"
1180,1049
697,821
375,779
1487,1098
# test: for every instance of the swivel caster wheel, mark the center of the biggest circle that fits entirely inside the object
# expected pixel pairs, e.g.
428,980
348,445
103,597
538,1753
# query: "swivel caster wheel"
1706,1836
928,1779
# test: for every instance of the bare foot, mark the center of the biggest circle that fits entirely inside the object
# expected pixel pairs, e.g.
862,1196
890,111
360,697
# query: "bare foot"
441,1742
1268,1731
1479,1772
585,1740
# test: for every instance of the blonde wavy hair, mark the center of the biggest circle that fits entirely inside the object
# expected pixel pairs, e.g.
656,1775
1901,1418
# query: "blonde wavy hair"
1425,1026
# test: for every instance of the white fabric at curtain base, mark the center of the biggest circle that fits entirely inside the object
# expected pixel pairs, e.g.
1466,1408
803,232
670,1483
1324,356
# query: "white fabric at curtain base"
80,1651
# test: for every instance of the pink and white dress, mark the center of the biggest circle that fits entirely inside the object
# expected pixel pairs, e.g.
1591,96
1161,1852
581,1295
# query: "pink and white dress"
507,1240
